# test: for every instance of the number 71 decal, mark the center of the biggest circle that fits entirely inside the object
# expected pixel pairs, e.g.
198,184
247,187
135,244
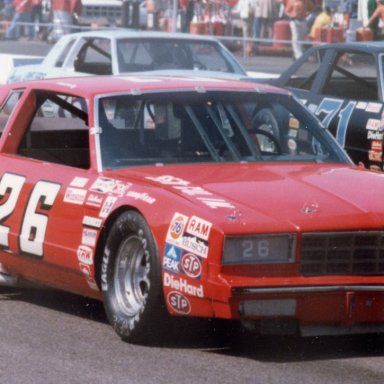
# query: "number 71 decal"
330,107
34,222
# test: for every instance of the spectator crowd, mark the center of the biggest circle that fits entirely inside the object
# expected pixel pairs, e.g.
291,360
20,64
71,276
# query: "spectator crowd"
34,18
27,17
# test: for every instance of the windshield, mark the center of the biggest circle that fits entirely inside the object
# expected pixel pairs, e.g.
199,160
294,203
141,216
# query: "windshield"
137,55
173,128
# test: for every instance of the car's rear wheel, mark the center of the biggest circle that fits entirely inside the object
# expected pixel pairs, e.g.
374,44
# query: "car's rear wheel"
131,279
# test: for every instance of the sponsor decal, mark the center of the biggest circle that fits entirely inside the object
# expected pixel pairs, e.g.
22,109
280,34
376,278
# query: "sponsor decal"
292,145
373,107
168,180
95,200
374,125
361,105
375,156
89,237
106,185
107,206
75,195
194,245
171,260
312,107
90,221
176,228
85,254
143,196
181,285
191,265
79,182
179,303
92,283
375,135
199,227
85,269
215,203
377,145
199,193
293,123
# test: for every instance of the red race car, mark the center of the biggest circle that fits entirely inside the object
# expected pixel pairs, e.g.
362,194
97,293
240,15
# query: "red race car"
180,195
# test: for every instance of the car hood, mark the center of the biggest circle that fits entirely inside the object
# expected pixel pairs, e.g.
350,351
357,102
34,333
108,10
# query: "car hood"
276,197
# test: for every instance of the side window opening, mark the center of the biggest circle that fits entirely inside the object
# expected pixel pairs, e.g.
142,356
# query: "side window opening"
354,76
8,107
58,132
95,57
305,75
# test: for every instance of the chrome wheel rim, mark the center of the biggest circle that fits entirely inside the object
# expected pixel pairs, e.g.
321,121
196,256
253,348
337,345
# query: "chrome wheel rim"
132,281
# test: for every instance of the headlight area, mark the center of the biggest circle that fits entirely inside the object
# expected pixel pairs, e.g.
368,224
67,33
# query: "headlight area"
259,249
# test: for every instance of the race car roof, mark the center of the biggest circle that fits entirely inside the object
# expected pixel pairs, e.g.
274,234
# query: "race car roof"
90,86
127,33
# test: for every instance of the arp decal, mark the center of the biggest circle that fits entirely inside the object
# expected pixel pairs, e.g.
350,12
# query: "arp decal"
35,220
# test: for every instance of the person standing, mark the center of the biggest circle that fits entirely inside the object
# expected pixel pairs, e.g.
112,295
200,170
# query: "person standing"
22,14
187,11
297,11
37,15
62,15
265,14
377,20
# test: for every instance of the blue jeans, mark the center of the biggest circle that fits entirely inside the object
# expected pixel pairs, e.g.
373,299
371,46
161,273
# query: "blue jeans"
13,31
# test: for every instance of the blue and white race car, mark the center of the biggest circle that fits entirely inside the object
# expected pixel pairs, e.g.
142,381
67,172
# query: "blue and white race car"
343,85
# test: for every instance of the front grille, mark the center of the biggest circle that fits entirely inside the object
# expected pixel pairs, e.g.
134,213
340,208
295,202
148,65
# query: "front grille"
342,253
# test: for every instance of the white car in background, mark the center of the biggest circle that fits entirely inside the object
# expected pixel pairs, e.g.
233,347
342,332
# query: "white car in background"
10,61
122,51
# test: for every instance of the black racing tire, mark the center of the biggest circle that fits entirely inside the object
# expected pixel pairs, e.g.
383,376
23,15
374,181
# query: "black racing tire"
131,280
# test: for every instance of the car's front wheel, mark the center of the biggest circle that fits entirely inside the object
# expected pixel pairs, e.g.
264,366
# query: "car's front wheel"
131,279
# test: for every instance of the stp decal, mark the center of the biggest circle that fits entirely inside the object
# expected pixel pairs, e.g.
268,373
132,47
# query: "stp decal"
191,265
179,303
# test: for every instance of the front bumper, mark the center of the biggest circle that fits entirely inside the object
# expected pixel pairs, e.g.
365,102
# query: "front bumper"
313,309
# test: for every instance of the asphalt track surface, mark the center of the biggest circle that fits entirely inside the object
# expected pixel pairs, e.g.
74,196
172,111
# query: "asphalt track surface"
55,337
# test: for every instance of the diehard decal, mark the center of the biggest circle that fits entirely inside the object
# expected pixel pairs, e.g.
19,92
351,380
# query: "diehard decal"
182,285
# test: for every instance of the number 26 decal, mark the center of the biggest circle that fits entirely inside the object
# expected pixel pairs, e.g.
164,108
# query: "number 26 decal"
34,222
